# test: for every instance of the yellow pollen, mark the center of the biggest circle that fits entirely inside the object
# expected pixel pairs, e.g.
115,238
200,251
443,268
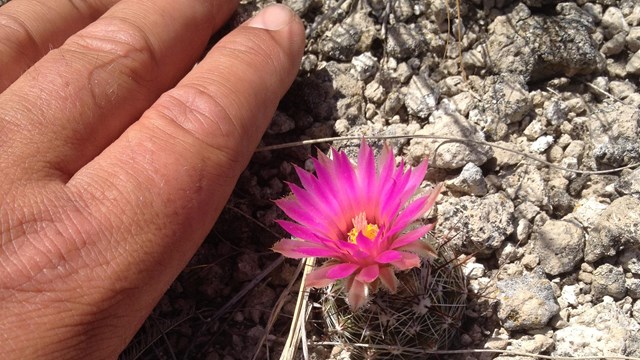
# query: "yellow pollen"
360,224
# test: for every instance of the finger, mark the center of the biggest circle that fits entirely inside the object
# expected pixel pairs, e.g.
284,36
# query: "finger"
29,29
162,184
80,97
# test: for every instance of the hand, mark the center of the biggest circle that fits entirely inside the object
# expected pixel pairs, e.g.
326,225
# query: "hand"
117,155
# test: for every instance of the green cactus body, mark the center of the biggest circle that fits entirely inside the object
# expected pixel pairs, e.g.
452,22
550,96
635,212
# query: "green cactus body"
424,314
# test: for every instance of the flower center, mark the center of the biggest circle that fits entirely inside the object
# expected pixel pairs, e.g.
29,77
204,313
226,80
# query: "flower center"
360,225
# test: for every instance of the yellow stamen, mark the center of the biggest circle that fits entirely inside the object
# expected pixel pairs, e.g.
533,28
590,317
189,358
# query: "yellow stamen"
360,225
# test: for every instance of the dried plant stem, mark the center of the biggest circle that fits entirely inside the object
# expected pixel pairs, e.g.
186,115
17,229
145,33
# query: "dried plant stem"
445,139
607,94
296,332
277,308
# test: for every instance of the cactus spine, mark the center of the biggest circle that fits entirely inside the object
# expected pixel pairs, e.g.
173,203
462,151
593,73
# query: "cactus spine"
424,314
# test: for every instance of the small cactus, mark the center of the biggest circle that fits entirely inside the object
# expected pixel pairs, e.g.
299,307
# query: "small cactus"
424,314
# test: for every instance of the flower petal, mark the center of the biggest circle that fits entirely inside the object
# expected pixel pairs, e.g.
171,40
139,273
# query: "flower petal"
413,182
366,174
408,261
298,249
412,212
400,259
338,176
433,195
312,184
340,271
390,198
292,208
388,278
299,231
411,236
318,278
345,181
369,273
328,274
358,295
335,221
388,256
386,163
367,245
421,248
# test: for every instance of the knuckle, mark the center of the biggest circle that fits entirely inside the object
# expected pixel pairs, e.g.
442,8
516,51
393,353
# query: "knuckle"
121,45
84,7
19,35
196,110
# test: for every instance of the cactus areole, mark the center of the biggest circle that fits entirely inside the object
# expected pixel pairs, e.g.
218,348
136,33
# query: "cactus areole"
361,217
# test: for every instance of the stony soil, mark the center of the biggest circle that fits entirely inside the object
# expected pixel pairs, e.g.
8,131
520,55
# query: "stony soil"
555,266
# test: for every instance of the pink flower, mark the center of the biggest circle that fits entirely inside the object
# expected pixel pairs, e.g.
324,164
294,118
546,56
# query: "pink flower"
359,217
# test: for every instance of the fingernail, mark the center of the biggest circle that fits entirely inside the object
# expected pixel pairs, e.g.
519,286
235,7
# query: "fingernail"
273,17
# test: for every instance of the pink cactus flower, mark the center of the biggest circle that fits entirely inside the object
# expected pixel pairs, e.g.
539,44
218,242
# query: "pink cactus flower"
360,218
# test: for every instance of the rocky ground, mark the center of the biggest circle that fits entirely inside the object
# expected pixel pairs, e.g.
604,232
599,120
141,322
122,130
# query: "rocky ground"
555,267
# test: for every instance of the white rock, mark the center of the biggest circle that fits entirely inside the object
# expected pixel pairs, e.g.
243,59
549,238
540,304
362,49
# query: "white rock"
614,46
365,65
482,227
560,246
622,89
422,96
587,211
474,270
633,39
575,149
374,92
569,295
523,230
616,228
633,287
528,184
470,181
613,21
603,330
534,130
464,102
556,111
569,163
633,19
542,144
450,155
535,344
633,65
526,302
341,127
594,10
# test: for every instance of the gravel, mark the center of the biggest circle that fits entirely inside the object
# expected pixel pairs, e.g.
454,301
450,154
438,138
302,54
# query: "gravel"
602,330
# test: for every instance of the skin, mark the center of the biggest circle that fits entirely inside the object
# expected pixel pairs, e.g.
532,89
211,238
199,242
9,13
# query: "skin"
117,155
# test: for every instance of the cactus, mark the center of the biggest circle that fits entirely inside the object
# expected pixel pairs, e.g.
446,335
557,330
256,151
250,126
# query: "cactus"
424,314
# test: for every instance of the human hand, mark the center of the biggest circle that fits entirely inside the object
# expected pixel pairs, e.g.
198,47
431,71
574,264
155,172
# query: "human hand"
117,155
